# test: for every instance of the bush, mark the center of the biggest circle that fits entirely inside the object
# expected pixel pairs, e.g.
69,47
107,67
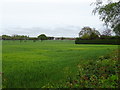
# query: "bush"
102,73
109,37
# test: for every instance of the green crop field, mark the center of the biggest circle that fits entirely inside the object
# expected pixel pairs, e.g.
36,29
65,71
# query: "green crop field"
38,64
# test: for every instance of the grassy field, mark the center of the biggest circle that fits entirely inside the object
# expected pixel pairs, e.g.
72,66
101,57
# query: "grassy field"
37,64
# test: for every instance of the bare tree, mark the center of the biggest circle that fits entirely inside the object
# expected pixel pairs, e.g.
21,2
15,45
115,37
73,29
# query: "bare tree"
107,32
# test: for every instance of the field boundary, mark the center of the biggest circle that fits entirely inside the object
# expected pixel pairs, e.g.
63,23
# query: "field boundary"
99,41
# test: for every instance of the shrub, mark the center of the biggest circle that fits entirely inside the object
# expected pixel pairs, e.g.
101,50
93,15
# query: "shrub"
98,41
100,74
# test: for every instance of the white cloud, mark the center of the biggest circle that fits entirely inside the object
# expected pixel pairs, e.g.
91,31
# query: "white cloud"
51,17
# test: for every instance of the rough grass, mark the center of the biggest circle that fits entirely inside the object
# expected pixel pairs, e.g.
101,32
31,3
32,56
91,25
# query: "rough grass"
37,64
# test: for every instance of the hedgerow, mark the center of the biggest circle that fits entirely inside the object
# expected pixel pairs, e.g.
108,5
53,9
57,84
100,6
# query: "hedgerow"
98,41
102,73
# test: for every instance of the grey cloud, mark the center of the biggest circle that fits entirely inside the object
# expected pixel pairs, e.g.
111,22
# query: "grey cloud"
66,31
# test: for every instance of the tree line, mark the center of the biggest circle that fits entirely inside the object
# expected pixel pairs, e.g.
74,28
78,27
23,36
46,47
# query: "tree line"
25,37
86,33
40,37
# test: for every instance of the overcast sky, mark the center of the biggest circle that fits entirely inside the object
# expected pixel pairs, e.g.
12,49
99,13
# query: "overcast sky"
51,17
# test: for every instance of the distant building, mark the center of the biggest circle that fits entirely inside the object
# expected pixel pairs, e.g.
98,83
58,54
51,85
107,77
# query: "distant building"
57,39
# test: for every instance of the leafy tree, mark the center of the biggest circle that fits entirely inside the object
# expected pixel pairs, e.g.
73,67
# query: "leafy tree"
109,13
42,37
94,35
88,33
15,37
6,37
85,36
117,29
20,37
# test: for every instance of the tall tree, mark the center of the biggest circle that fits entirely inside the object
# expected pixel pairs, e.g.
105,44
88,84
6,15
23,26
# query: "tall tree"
88,33
42,37
109,13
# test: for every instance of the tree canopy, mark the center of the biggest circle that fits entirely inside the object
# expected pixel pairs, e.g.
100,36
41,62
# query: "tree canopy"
15,37
42,37
109,13
88,33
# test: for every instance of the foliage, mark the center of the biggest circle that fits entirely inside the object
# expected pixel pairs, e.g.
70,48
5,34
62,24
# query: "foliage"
88,33
6,37
42,37
23,37
117,29
110,14
94,36
109,37
102,73
107,40
85,36
15,37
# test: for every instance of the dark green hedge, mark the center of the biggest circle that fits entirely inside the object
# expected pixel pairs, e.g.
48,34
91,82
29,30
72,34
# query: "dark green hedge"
98,41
